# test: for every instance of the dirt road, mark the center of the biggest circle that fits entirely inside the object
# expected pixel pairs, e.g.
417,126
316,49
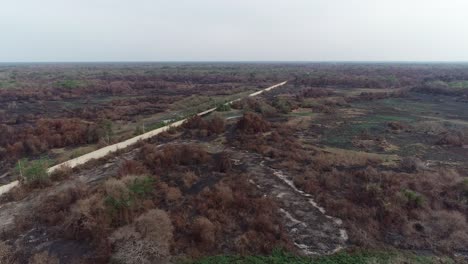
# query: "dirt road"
97,154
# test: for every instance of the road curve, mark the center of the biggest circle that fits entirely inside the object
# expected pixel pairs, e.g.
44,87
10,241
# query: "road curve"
102,152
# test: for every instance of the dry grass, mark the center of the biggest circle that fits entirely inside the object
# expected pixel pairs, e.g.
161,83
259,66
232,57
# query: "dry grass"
345,158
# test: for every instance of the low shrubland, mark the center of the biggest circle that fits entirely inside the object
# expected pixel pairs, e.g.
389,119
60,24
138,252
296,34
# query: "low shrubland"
405,206
172,200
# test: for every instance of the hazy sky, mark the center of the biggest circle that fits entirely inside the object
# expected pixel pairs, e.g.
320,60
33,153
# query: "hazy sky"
240,30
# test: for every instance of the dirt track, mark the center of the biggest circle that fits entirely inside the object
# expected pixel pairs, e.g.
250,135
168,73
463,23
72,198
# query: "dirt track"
97,154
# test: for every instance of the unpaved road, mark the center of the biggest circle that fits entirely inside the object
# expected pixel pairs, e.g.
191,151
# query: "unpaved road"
121,145
100,153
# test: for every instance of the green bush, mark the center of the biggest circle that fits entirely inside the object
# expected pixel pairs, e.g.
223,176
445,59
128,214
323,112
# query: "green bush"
223,107
34,173
123,195
465,188
412,198
282,106
141,187
69,84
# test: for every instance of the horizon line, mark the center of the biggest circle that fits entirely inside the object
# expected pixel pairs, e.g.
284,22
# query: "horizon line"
244,61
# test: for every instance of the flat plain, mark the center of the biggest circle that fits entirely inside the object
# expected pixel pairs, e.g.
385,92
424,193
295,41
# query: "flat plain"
345,163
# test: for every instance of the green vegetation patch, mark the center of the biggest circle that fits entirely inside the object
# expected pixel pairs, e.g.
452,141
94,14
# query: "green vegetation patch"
69,84
279,257
459,84
302,113
223,107
34,173
7,84
344,134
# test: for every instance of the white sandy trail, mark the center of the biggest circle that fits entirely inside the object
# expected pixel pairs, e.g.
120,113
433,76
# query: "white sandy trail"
102,152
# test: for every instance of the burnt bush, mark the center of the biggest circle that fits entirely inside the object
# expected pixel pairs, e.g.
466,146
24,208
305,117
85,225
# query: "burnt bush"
173,155
316,92
380,204
225,207
452,138
412,164
396,125
252,123
223,162
132,167
199,127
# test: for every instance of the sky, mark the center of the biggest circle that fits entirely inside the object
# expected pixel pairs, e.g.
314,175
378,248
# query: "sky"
233,30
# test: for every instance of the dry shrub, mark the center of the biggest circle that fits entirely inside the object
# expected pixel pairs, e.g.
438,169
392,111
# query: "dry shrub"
88,220
195,122
61,173
138,252
7,255
16,194
216,125
279,144
252,123
54,209
156,226
307,181
396,125
173,194
203,128
204,231
224,193
116,189
412,164
252,241
189,178
335,101
452,138
43,258
223,162
418,210
222,209
316,92
132,167
173,155
148,240
443,230
123,233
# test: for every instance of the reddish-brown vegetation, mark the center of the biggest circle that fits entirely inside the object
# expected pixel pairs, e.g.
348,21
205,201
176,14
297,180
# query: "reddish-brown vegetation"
316,93
173,155
251,123
378,206
199,127
44,135
452,138
174,211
